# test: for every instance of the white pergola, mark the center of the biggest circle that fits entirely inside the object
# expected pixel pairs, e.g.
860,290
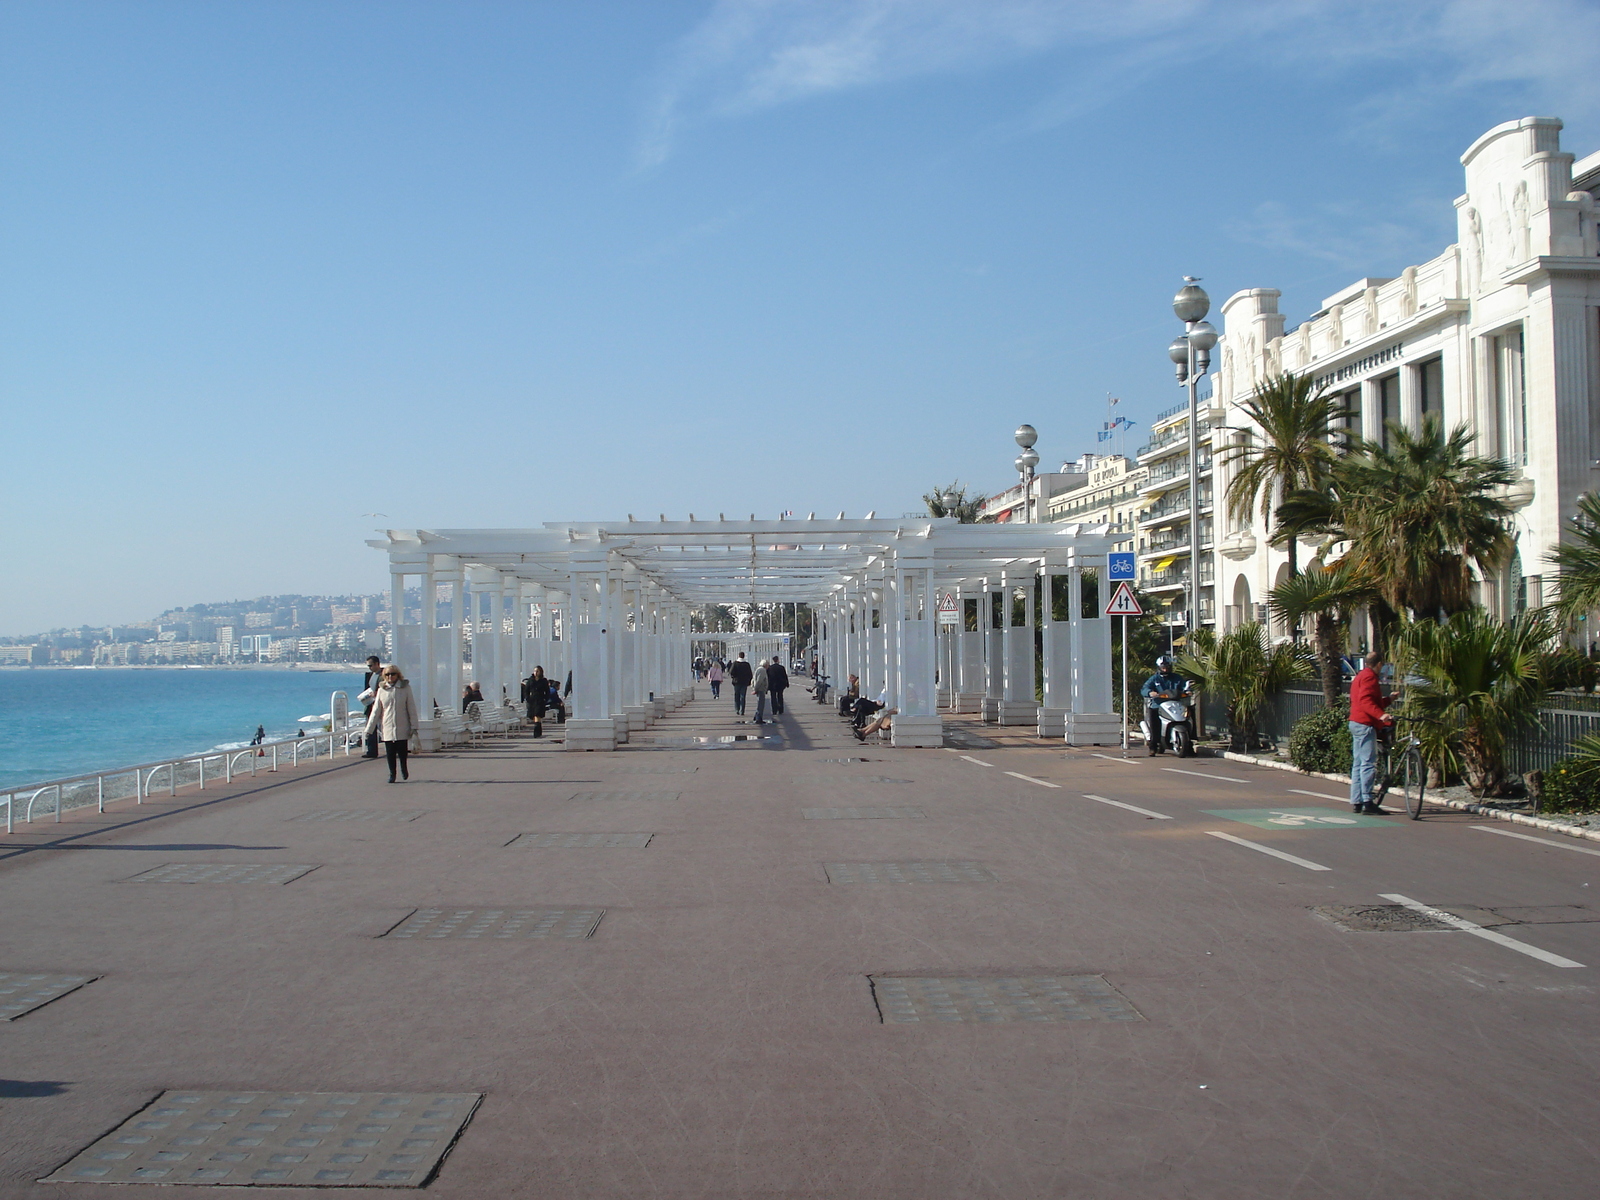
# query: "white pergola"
611,603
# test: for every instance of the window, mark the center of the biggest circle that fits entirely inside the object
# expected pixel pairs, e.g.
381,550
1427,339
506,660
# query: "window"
1351,422
1430,389
1388,406
1511,404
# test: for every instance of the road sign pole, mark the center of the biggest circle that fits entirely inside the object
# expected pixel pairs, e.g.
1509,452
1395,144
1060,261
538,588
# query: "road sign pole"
1124,687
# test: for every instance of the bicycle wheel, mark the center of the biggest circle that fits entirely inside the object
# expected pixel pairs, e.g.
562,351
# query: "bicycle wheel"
1382,773
1414,779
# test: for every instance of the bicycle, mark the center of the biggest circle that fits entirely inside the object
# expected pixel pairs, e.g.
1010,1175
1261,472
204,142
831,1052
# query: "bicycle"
1401,765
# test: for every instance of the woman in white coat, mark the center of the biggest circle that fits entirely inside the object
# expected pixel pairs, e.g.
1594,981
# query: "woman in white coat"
394,718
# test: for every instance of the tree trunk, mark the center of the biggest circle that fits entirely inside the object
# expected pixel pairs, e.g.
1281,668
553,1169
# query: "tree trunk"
1382,618
1328,648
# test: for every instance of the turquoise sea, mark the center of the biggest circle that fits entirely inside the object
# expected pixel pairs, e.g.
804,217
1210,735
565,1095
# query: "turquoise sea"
56,722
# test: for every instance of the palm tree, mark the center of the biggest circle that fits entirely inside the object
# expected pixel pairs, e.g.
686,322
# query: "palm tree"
968,510
1417,515
1578,560
1331,596
1296,417
1480,679
1245,665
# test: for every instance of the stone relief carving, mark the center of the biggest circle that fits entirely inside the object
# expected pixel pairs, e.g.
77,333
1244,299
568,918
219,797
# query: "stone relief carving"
1474,251
1305,342
1336,326
1521,227
1275,358
1370,296
1408,284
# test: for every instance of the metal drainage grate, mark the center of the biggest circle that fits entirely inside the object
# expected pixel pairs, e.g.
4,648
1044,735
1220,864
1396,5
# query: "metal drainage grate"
431,923
909,872
277,1139
866,813
581,841
22,992
624,796
910,1000
222,873
1378,918
358,814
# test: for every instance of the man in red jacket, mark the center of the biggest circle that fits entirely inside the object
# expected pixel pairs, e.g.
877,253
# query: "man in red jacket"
1367,704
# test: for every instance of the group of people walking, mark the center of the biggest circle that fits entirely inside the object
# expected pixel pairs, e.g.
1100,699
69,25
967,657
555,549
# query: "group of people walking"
768,679
391,709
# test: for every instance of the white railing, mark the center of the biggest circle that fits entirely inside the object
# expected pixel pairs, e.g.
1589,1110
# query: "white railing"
190,770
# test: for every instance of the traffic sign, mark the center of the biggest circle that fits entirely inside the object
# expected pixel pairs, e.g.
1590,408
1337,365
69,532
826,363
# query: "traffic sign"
949,609
1121,566
1123,603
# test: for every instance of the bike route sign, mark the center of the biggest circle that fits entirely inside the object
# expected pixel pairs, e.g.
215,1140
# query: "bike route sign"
1120,566
1298,818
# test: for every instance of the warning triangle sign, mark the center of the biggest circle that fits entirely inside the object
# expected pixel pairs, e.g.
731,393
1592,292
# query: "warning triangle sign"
947,602
1123,603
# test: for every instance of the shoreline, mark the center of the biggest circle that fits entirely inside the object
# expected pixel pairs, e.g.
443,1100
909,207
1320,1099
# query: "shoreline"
305,668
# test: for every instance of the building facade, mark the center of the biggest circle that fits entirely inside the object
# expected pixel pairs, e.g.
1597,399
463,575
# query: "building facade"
1109,495
1500,333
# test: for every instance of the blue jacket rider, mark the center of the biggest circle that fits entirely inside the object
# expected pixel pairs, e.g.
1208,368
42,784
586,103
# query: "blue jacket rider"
1165,684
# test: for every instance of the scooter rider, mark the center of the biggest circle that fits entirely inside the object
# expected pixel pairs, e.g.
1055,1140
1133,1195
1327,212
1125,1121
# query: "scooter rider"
1165,684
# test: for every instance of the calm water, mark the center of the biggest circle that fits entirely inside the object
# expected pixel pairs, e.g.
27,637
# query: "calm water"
66,722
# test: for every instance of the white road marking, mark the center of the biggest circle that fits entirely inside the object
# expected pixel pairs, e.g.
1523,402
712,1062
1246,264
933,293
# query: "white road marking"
950,749
1144,812
1542,841
1031,779
1239,841
1113,758
979,761
1555,960
1203,775
1319,795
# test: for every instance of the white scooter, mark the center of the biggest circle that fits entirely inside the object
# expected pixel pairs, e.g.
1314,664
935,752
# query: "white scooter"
1176,717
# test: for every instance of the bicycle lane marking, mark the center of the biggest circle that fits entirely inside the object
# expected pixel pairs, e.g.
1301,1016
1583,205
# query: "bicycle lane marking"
1239,841
1203,775
1466,926
1542,841
1130,807
1127,762
1031,779
1319,795
979,761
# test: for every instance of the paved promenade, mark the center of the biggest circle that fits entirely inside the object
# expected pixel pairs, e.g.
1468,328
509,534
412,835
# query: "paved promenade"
796,967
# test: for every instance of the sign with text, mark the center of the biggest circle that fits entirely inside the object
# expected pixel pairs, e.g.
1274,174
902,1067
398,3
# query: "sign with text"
949,609
1123,603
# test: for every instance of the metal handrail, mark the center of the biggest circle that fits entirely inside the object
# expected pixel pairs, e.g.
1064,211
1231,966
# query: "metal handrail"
144,774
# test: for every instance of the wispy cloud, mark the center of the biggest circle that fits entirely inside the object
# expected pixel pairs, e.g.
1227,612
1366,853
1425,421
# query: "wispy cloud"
750,55
1341,234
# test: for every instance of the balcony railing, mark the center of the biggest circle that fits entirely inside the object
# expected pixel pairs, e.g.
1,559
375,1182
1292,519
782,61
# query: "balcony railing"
1173,469
1178,573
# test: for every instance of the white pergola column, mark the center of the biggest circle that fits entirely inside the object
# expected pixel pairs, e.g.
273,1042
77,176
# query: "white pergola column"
918,723
971,675
993,622
1090,721
1056,650
425,683
1020,705
590,725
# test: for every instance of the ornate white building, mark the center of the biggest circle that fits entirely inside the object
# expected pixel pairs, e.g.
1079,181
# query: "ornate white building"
1500,332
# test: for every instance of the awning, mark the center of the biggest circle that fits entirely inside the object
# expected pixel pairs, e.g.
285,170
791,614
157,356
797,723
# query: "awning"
1163,564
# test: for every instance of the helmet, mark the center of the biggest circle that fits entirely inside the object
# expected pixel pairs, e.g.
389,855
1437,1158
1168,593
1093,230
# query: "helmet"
1164,663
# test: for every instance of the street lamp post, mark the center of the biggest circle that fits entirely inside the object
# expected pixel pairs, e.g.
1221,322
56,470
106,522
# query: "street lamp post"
951,501
1026,436
1192,355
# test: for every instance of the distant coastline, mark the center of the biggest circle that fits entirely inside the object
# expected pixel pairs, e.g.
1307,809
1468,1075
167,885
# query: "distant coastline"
304,668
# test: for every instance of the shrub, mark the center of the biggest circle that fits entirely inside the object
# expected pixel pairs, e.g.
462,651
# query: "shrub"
1320,741
1573,784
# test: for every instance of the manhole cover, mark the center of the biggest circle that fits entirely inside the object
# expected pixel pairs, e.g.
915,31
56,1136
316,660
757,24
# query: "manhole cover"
358,814
22,992
277,1139
580,841
1377,918
909,872
432,923
909,1000
866,813
222,873
625,796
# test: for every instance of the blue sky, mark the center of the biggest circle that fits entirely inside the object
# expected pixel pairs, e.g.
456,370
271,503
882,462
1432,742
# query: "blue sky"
266,268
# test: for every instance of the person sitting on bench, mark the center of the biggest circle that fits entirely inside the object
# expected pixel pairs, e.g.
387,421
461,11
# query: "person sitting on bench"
875,726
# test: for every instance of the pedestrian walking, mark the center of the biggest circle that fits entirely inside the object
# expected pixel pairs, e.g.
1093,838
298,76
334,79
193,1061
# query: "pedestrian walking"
394,719
777,684
369,693
1367,716
714,674
536,695
760,686
740,674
